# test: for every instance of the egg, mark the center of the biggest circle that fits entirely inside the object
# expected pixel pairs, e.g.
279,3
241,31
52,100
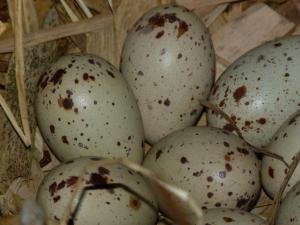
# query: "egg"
106,199
169,62
289,211
286,144
85,107
231,216
260,90
217,168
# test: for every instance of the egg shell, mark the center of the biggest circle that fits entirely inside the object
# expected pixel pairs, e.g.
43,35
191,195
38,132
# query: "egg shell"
85,107
169,62
285,143
260,90
289,211
99,204
231,216
217,168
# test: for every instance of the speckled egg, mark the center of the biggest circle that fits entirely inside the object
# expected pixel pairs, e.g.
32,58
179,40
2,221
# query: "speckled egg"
217,168
85,107
285,143
289,211
104,200
169,61
260,90
231,216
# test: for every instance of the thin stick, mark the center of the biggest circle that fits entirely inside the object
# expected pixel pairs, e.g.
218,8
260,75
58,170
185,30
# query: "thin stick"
13,121
85,9
50,34
211,17
69,11
20,70
217,110
277,199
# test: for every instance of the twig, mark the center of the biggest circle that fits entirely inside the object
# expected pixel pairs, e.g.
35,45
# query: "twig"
85,9
31,21
13,121
69,11
20,70
217,110
50,34
211,17
277,199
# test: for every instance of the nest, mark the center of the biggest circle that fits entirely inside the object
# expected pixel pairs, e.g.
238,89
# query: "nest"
33,34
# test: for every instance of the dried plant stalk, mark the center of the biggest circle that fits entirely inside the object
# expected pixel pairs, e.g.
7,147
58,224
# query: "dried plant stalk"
217,110
12,120
69,11
50,34
84,8
277,198
20,71
30,16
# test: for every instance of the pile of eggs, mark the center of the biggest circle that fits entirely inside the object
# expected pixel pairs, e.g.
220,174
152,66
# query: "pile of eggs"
88,110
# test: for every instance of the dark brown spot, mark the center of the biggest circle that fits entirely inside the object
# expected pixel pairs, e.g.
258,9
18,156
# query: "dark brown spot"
167,102
140,73
76,110
103,171
226,144
242,150
97,179
71,181
260,58
261,121
52,129
65,140
179,56
198,173
158,154
61,185
46,159
227,157
222,103
87,77
56,198
229,127
242,202
210,179
57,76
271,172
184,160
160,34
91,61
228,167
228,219
110,74
52,188
135,203
210,194
239,93
183,27
278,44
76,81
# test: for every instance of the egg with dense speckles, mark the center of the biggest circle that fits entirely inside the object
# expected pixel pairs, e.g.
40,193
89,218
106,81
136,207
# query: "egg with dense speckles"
224,216
169,62
285,143
85,107
217,168
106,198
289,211
260,90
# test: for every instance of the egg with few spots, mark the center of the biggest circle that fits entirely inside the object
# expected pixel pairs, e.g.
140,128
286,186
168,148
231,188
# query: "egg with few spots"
169,62
260,90
289,211
226,216
217,168
85,107
106,198
285,143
